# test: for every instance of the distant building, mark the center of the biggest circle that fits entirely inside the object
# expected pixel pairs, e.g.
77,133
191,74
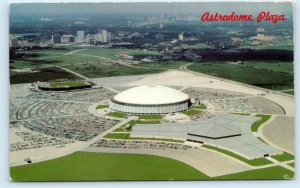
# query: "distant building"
67,39
180,36
80,34
13,42
104,36
56,39
161,25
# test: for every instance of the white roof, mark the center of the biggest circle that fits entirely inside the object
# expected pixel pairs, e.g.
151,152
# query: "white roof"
151,95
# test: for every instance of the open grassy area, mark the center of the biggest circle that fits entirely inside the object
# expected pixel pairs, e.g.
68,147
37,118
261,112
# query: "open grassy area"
164,65
292,164
284,157
275,172
150,116
248,75
117,135
157,139
256,125
116,114
98,70
127,136
132,123
278,66
253,162
86,166
192,112
68,84
141,53
200,107
43,74
101,106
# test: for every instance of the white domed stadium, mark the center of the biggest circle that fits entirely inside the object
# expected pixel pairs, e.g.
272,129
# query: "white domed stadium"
150,100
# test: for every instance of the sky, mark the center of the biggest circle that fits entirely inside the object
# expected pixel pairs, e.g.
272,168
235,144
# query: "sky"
193,9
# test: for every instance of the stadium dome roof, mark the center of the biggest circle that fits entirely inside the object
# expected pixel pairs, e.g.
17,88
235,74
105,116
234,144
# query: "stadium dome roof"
151,95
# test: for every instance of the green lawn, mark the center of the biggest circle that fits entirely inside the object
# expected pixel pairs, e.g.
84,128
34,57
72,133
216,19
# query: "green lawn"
67,84
256,125
99,70
292,164
132,123
127,136
164,65
116,114
150,116
117,135
85,166
192,112
272,65
253,162
275,172
101,106
200,107
284,157
248,75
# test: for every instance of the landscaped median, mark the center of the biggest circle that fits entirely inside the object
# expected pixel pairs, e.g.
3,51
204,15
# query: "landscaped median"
252,162
284,157
256,125
151,116
127,127
116,114
195,110
127,136
101,106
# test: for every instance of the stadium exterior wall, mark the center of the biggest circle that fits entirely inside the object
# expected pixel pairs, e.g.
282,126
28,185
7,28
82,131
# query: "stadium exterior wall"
149,108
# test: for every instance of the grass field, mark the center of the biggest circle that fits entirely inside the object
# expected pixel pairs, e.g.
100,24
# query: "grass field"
101,106
98,70
127,136
164,65
67,84
256,125
253,162
192,112
117,135
132,123
116,114
43,74
292,164
150,116
240,73
273,65
200,107
276,172
85,166
284,157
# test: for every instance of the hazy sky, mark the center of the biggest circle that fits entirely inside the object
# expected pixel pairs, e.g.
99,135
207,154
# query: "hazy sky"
193,9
